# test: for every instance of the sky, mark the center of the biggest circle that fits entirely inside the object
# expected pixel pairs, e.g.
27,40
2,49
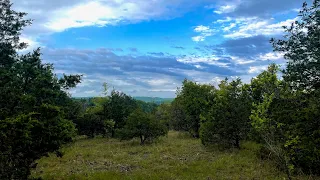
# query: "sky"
148,47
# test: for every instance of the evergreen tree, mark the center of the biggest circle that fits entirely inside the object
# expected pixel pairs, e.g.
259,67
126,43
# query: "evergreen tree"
33,103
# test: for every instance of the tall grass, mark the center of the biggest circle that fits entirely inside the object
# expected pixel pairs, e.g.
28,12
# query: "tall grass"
176,156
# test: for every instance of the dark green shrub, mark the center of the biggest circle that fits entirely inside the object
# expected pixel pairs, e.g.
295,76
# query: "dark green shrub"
92,125
33,101
27,138
118,107
142,125
192,99
227,121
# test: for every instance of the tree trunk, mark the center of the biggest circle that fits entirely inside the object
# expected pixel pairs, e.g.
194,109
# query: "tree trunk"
237,142
142,140
112,133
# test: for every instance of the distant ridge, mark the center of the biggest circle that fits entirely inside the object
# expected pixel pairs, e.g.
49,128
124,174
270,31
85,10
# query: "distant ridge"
156,100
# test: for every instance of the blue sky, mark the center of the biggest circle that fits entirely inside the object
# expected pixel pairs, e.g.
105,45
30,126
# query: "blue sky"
147,47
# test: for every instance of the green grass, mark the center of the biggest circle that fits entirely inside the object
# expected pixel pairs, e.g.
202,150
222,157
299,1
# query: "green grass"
174,157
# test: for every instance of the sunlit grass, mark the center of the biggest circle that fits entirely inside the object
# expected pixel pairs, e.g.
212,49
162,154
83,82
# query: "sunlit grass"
174,157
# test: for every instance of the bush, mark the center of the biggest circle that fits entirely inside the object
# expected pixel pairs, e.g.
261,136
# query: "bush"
300,129
142,125
289,126
27,138
92,125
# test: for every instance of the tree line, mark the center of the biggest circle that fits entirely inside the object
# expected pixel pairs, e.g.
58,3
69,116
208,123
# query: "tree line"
117,116
278,108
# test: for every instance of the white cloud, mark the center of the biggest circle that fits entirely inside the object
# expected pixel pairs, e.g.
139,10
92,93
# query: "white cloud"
271,56
198,38
231,26
216,80
296,10
249,27
157,82
256,69
52,16
163,90
112,80
205,31
202,29
58,15
279,25
241,61
201,76
199,66
96,13
225,9
211,60
32,43
227,19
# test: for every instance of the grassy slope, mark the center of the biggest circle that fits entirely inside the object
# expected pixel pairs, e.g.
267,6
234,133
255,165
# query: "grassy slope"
173,157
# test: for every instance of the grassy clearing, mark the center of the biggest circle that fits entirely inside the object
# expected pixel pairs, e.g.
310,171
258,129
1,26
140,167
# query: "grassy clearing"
174,157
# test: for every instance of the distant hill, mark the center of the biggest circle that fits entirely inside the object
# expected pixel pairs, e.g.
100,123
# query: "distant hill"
156,100
82,97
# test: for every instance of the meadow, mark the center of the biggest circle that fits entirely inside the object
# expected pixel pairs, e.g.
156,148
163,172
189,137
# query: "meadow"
177,156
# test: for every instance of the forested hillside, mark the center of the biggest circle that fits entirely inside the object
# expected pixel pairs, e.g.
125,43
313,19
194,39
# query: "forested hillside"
268,128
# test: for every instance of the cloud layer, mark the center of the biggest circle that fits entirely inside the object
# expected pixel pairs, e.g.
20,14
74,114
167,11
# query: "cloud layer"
214,39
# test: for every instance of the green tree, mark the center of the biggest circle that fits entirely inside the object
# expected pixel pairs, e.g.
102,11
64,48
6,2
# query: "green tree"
194,99
11,25
33,103
287,119
262,86
26,138
142,125
289,126
301,49
163,113
270,131
91,125
118,107
178,116
266,82
227,121
148,107
74,109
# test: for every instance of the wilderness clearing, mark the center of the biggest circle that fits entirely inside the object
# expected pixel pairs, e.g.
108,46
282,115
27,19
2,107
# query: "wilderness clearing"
176,156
